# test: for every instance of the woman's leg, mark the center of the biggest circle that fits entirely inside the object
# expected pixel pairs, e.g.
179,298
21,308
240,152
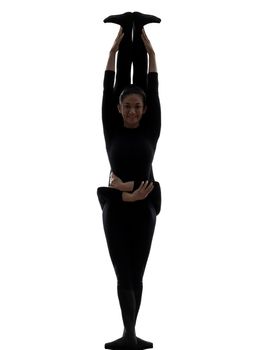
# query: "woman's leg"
124,62
139,58
124,56
116,226
143,231
143,235
139,51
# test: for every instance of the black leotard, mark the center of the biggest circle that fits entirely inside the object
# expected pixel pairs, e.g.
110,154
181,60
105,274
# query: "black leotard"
131,151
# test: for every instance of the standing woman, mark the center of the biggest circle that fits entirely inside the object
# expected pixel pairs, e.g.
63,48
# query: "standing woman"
131,118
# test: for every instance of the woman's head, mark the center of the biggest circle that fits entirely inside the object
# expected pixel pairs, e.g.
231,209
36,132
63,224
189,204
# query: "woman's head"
132,105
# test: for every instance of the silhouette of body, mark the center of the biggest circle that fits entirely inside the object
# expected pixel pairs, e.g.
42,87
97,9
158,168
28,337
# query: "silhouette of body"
131,124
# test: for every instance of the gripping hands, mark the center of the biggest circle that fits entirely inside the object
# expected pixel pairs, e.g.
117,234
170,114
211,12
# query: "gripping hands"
139,194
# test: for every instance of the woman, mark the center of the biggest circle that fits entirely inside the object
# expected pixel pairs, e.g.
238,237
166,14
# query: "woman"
131,124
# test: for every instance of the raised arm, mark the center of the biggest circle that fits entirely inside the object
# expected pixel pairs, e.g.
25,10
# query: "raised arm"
151,53
153,117
112,54
109,108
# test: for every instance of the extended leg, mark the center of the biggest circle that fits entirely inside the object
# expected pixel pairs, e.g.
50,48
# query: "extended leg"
124,57
117,235
128,309
139,51
139,58
146,219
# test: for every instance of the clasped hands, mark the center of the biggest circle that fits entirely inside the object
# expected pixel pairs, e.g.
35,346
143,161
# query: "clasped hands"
127,187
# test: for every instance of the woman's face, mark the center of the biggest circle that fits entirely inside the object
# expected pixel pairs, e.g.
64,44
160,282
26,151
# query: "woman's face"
132,109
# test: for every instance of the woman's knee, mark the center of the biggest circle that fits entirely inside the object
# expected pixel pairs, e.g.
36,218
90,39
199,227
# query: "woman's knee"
131,283
124,281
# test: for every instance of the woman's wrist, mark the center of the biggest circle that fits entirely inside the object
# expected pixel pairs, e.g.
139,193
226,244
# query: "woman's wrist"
152,63
128,186
111,61
127,197
123,186
151,53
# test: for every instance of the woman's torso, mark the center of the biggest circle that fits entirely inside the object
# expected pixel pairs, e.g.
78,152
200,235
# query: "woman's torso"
131,154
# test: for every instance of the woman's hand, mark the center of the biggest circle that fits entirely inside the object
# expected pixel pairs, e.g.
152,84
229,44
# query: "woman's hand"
151,53
147,43
139,194
118,184
111,59
117,41
115,182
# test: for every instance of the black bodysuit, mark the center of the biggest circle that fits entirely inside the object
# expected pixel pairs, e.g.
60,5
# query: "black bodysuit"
131,151
129,226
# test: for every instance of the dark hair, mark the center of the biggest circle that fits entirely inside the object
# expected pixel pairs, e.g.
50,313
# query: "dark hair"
132,89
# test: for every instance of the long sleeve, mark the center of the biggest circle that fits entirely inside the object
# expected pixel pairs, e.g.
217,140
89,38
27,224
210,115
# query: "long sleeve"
110,116
152,118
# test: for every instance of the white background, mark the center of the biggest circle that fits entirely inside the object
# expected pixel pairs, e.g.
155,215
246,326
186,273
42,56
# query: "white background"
202,286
